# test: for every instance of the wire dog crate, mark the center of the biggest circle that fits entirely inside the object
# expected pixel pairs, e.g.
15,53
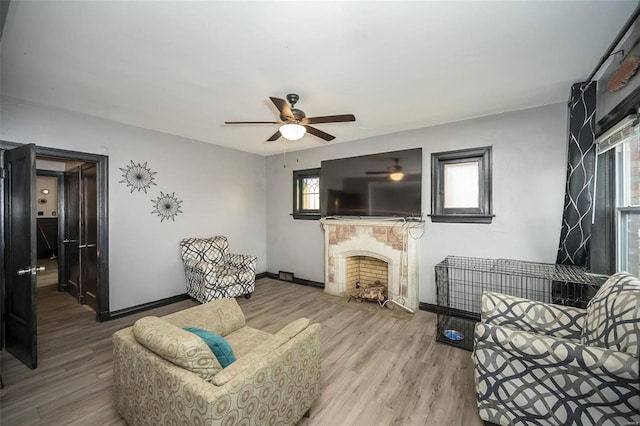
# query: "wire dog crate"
460,282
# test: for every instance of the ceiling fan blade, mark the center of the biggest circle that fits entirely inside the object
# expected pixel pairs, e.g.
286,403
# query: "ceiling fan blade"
251,122
274,137
319,133
341,118
283,107
376,173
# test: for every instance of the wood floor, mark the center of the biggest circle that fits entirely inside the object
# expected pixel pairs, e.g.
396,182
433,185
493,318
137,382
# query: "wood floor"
378,368
50,274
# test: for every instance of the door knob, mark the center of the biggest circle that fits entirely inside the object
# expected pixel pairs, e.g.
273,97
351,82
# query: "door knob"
66,240
87,245
31,270
24,271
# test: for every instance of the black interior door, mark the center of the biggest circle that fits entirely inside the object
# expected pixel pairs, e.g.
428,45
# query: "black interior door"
89,236
71,238
20,254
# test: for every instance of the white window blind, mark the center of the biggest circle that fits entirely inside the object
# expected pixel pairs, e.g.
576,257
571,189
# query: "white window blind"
625,130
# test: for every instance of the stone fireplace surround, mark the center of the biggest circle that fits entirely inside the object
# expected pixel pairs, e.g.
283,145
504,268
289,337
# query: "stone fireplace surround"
393,241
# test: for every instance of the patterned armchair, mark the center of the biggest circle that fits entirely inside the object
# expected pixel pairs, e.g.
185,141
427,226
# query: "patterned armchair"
212,273
543,364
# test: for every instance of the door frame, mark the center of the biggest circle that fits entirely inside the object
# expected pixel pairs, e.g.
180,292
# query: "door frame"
2,210
102,188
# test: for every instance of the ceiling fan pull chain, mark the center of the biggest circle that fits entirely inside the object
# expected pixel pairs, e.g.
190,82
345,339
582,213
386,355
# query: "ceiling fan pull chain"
284,155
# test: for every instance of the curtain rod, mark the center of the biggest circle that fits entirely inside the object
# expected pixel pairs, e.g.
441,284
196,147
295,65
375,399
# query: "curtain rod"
614,44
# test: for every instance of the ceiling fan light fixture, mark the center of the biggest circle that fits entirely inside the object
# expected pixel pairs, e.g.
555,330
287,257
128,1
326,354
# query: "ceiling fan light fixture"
396,176
292,131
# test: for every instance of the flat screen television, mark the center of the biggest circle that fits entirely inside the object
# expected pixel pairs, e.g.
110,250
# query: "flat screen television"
379,185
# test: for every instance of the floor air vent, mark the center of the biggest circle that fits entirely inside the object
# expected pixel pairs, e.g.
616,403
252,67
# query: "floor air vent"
285,276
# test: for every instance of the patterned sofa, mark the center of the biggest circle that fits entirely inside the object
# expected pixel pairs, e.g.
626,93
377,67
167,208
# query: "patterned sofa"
214,273
164,375
543,364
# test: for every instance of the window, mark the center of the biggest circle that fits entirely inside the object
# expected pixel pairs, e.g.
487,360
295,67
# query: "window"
615,238
461,186
306,194
628,205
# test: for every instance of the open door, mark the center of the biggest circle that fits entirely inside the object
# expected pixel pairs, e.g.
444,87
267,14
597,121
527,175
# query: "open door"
81,234
20,254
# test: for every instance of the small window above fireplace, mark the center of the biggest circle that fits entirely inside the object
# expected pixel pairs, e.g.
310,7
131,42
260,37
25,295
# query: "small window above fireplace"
306,194
461,186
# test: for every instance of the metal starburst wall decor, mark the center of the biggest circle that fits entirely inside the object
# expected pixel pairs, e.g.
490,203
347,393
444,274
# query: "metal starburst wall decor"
166,206
138,176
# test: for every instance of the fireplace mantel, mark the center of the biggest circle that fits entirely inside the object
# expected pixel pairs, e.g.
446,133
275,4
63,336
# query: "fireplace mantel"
393,241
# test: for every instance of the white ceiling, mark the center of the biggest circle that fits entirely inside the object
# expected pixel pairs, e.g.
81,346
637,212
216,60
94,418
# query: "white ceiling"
186,67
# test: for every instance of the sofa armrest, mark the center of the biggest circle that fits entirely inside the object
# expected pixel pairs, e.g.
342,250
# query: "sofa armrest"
260,353
532,316
199,272
550,351
280,387
144,381
242,261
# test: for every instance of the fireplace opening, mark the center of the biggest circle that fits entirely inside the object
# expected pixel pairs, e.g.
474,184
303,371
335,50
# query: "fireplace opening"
367,279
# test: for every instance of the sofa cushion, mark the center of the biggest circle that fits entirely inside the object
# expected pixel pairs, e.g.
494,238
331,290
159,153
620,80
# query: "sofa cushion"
246,339
218,345
176,345
260,352
613,315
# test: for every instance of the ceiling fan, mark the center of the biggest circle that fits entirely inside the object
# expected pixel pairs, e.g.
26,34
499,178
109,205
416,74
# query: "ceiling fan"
295,123
395,172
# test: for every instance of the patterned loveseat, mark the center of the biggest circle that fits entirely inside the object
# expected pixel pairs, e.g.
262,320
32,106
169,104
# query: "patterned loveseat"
164,375
543,364
214,273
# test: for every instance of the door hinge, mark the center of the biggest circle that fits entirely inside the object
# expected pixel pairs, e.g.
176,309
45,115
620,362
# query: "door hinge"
3,173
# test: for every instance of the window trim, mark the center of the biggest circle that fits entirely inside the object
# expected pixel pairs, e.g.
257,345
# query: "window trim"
481,214
298,177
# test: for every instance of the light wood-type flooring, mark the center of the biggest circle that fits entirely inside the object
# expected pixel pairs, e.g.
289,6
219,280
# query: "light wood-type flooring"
379,367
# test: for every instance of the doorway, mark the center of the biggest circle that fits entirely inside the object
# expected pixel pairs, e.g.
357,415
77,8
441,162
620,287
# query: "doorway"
92,244
46,227
67,228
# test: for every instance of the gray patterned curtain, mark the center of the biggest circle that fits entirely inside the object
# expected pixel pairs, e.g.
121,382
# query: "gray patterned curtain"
576,218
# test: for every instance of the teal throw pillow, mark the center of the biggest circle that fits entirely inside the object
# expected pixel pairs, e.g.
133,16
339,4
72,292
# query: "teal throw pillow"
218,345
